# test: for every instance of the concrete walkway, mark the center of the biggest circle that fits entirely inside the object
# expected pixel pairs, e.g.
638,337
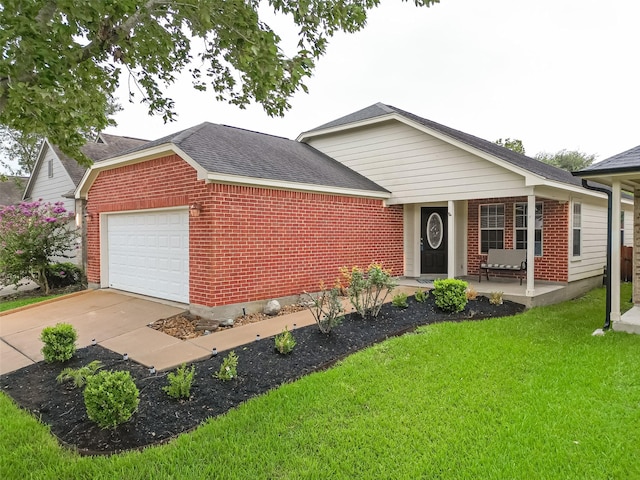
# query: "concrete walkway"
119,321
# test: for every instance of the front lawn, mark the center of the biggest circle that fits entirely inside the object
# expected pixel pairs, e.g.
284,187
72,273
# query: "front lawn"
531,396
21,302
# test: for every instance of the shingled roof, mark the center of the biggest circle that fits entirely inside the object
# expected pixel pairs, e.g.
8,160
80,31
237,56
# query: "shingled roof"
522,161
221,149
627,161
11,190
106,146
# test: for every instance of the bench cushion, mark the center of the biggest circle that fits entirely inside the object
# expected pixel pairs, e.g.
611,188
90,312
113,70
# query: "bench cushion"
498,257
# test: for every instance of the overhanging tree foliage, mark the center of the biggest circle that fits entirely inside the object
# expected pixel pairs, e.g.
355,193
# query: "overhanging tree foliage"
62,59
18,151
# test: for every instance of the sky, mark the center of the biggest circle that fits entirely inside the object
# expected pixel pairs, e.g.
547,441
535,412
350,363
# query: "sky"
556,74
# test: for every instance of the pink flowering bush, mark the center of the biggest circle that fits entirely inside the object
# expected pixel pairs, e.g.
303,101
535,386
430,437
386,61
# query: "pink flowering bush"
30,235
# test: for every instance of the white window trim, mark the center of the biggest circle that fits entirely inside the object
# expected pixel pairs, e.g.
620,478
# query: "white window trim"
50,168
572,229
516,228
480,229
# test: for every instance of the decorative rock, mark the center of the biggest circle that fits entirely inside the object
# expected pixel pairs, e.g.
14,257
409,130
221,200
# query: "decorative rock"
227,323
272,308
206,324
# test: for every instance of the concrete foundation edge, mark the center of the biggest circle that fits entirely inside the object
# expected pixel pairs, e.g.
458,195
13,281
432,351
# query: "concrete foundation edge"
235,310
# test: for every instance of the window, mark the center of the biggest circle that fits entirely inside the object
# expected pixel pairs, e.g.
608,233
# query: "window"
576,248
622,228
521,228
50,168
491,227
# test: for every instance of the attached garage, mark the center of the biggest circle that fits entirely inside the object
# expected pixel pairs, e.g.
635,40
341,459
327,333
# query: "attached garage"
148,253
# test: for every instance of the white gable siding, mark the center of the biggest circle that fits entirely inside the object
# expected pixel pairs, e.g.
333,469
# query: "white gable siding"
594,242
52,189
417,167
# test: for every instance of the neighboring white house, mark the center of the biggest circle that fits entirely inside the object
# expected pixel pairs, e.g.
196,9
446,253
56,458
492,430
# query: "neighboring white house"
56,175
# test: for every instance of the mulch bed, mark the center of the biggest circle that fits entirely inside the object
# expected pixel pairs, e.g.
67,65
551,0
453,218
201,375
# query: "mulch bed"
160,418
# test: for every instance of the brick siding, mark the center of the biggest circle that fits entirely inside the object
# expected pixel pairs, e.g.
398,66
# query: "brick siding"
553,265
252,243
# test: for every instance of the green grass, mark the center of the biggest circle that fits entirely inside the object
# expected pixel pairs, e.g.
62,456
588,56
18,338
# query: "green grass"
21,302
531,396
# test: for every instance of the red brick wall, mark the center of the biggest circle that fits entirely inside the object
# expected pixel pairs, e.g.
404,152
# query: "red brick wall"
554,263
252,243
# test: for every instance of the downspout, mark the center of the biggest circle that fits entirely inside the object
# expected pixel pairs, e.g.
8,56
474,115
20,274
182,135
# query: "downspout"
585,184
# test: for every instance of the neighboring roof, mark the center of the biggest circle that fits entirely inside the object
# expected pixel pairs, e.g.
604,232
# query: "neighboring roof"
104,147
530,164
109,146
226,150
628,161
11,190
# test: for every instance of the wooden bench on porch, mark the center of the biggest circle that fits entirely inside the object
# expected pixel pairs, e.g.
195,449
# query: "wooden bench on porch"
504,260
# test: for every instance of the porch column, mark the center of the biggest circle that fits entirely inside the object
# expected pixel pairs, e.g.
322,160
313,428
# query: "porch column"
615,250
451,240
636,247
531,244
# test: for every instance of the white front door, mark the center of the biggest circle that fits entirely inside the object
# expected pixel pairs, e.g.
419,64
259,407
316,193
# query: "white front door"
148,253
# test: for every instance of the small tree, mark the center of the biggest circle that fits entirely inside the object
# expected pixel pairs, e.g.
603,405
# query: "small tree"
570,160
30,234
512,144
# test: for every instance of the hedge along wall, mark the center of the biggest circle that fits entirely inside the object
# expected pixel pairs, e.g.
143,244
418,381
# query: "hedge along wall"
553,265
252,243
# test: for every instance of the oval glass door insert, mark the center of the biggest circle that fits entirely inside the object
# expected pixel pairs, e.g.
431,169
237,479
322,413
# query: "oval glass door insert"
434,230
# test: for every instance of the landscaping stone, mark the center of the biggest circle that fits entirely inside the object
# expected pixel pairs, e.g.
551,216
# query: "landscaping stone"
207,324
227,323
272,308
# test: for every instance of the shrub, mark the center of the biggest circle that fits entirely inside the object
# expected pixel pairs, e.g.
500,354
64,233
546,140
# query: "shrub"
450,294
471,293
61,275
59,342
368,289
400,300
229,368
180,382
30,234
285,342
79,375
111,398
421,295
495,298
326,308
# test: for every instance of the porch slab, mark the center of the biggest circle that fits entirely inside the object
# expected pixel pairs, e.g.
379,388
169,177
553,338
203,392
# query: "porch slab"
629,322
545,293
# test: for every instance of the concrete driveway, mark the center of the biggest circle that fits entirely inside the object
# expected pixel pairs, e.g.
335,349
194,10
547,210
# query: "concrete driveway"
115,320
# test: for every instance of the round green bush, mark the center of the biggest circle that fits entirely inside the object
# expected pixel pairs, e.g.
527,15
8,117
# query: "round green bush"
59,342
450,294
111,398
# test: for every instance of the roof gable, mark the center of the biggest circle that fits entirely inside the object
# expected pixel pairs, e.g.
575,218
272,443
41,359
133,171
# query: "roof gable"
518,160
230,152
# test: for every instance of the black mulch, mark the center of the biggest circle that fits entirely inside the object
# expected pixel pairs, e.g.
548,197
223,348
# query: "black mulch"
160,418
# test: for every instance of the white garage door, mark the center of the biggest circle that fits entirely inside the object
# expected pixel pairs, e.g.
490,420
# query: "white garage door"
149,253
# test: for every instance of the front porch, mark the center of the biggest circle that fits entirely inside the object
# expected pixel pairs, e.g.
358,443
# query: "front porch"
629,321
545,293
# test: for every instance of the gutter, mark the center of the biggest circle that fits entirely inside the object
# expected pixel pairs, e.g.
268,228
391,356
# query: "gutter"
585,184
